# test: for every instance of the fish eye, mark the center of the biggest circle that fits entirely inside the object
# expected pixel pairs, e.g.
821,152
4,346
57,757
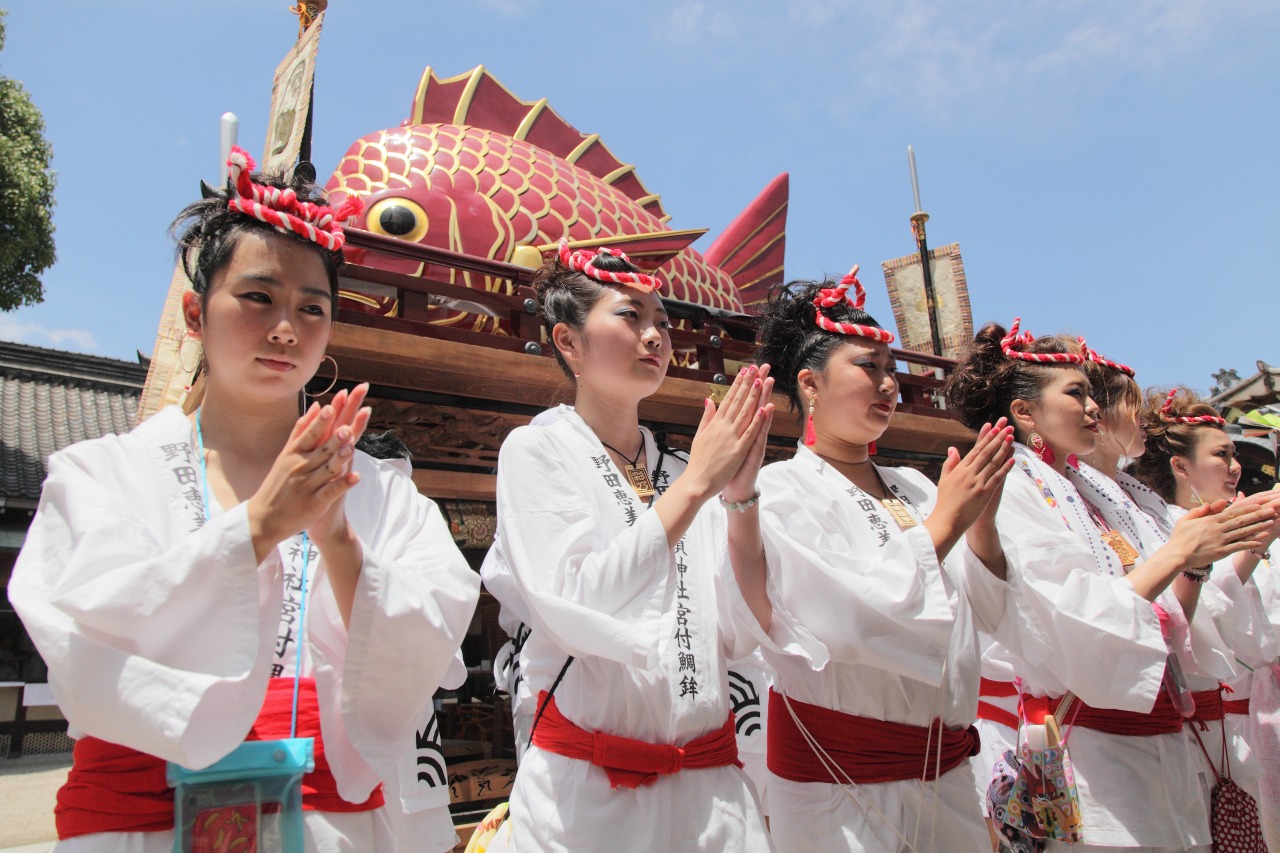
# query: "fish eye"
397,217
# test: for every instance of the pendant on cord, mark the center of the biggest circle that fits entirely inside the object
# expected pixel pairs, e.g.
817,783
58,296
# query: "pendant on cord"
898,512
637,474
639,479
1127,553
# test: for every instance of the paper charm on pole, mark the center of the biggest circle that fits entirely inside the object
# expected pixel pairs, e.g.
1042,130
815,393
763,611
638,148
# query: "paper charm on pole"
927,291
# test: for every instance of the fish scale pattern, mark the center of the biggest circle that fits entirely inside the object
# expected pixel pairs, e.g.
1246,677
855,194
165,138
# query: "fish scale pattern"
485,193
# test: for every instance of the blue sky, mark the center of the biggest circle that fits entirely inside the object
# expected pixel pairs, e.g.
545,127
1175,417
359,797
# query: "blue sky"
1108,168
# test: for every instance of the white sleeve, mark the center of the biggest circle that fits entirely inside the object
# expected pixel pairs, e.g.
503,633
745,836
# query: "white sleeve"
988,595
593,597
162,647
412,606
1243,620
739,627
1071,616
861,600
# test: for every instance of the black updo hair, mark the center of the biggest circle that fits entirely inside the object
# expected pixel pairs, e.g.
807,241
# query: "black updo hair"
384,445
207,232
567,296
985,381
789,339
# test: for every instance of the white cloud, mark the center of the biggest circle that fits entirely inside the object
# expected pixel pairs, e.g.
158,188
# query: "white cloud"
511,8
975,58
697,21
35,334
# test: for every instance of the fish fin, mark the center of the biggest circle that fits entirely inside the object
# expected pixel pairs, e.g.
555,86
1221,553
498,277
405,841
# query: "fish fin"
647,251
752,249
478,99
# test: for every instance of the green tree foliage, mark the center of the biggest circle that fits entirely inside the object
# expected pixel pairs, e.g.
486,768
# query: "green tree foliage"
26,196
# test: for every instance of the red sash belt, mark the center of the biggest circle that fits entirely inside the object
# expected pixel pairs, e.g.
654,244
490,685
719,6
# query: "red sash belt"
1209,705
1236,706
1163,719
866,750
994,713
630,763
114,788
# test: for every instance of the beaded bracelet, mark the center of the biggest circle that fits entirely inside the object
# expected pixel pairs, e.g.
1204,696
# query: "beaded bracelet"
1199,575
1265,555
740,507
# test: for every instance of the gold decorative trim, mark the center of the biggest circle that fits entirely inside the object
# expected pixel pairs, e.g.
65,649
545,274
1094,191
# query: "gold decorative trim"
526,124
420,99
464,103
582,147
618,173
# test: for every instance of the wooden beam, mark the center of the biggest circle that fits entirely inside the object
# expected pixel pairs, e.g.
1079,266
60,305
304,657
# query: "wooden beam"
455,485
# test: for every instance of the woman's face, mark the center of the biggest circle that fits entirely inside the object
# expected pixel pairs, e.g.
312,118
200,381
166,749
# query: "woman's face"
1065,415
266,318
1212,472
1125,431
624,347
856,392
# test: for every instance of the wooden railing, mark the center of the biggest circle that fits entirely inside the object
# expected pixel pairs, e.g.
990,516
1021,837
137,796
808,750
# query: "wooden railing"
715,337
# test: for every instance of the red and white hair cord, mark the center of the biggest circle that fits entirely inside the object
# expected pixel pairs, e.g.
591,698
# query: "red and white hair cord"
282,209
1013,339
1186,419
584,261
829,297
1097,358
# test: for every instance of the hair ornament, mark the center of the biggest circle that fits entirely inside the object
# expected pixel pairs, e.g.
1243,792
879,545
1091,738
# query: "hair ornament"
829,297
1097,358
584,261
1186,419
1013,339
282,209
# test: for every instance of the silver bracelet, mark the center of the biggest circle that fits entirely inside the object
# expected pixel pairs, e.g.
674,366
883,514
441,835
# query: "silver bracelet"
1265,555
740,507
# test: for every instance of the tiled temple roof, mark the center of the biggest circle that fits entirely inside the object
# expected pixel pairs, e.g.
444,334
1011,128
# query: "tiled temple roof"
50,399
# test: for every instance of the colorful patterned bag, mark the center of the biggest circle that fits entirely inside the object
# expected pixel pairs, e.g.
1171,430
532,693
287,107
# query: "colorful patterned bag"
1033,796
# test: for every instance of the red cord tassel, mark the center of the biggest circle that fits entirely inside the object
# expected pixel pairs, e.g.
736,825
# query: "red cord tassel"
810,437
871,449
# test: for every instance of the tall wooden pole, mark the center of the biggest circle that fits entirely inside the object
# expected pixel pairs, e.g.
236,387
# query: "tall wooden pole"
918,219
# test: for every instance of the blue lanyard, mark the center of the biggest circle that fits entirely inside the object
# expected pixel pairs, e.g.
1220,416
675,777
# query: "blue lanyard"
306,558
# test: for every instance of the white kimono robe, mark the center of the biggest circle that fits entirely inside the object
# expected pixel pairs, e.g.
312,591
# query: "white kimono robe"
1103,642
420,782
161,630
514,619
650,631
901,629
1241,616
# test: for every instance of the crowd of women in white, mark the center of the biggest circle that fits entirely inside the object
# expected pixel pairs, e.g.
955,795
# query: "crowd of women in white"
162,577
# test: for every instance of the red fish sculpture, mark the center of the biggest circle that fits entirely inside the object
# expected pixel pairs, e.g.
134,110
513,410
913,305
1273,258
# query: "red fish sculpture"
479,171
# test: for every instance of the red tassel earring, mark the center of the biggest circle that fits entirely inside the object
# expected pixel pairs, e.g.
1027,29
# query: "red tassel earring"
810,436
1042,451
871,449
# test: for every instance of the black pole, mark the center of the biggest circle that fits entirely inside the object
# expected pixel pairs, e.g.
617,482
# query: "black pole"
918,219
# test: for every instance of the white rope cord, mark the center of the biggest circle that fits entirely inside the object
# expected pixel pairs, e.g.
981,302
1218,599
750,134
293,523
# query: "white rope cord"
937,765
848,786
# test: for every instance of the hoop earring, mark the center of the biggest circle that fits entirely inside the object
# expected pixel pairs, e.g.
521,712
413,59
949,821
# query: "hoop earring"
810,435
1196,500
1042,451
331,384
182,342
